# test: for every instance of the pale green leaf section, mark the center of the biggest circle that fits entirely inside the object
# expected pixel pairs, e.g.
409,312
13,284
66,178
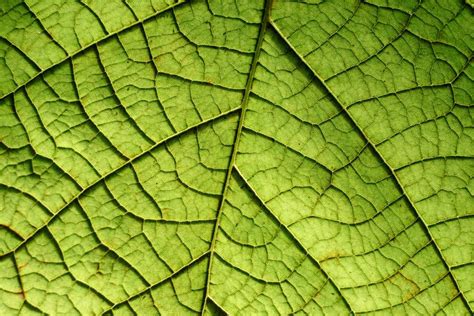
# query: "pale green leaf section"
246,157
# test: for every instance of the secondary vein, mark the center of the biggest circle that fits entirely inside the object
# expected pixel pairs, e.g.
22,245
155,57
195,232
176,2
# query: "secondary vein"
82,49
381,157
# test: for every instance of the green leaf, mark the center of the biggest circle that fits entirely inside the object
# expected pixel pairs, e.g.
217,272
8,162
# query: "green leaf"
236,157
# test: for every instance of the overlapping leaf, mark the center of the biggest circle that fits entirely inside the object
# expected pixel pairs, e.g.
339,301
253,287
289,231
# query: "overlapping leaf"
236,157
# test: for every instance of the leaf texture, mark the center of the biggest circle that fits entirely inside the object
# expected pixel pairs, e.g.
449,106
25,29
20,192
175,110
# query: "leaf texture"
236,157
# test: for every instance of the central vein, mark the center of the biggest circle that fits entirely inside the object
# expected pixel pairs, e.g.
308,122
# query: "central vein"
243,109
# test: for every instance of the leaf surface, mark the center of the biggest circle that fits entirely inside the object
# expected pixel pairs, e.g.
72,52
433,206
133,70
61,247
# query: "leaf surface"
236,157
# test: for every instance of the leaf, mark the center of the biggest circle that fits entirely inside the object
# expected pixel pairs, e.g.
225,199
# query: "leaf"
236,157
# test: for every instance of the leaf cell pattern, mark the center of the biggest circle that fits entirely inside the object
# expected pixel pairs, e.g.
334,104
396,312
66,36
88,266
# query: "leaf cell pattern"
236,157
